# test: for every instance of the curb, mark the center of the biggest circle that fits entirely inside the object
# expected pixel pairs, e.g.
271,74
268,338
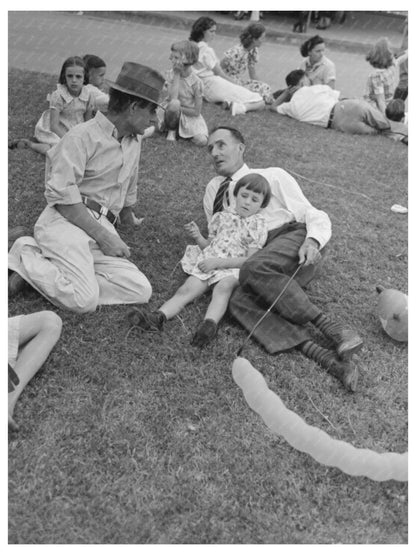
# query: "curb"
228,29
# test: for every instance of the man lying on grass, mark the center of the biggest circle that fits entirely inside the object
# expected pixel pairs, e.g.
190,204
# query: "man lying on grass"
297,233
320,105
77,259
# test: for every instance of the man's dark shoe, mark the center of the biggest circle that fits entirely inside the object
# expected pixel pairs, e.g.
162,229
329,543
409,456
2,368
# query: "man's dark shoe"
146,320
17,232
347,343
16,284
347,372
204,334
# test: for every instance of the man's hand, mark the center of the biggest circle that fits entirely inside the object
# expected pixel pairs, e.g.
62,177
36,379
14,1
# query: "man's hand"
128,217
113,245
309,252
209,264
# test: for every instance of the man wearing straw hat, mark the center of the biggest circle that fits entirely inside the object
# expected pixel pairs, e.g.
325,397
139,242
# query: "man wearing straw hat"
76,258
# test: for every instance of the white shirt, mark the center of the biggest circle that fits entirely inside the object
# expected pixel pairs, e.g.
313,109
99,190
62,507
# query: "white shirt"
311,104
207,60
287,203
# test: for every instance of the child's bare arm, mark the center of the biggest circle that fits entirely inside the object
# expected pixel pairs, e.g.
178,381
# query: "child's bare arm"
193,231
173,88
55,124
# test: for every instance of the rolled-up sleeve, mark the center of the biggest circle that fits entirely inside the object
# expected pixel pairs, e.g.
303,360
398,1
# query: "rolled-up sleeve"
65,168
131,195
287,190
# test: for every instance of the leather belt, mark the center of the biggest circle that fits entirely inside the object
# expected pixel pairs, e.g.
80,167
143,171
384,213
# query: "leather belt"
96,207
331,117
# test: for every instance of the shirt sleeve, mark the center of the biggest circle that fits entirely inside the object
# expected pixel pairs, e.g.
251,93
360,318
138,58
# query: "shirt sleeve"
214,225
64,171
56,101
131,195
258,233
207,57
197,88
376,83
289,194
285,109
329,73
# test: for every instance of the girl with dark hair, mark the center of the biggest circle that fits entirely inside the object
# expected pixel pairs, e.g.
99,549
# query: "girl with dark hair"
318,68
71,103
384,77
218,86
244,57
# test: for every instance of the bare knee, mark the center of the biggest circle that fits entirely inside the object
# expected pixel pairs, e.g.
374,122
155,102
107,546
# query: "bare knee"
200,140
51,323
226,286
173,106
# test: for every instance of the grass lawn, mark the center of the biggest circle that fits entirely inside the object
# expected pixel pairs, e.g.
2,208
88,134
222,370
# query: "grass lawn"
140,438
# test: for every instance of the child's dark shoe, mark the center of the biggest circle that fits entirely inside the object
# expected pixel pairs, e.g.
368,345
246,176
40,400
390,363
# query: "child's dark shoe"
146,320
204,334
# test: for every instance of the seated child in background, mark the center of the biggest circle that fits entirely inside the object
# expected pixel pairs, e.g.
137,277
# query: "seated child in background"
183,101
233,238
31,338
71,103
96,68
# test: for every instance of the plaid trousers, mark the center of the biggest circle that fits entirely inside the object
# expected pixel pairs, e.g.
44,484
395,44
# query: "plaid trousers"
262,278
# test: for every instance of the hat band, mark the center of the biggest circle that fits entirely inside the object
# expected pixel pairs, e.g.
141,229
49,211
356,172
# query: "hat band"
137,86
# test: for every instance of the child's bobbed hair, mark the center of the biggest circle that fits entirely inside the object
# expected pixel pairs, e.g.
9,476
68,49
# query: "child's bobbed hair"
93,62
72,61
256,183
189,51
380,55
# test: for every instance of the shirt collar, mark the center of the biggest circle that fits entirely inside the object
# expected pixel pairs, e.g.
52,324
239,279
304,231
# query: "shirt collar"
315,65
109,128
240,172
67,96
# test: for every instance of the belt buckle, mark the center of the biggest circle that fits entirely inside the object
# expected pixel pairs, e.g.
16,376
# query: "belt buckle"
103,210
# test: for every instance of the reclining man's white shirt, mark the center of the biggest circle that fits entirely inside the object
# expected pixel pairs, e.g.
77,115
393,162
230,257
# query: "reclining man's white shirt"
311,104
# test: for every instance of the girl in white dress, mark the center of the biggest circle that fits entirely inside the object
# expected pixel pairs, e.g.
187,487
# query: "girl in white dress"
183,101
71,103
218,86
233,238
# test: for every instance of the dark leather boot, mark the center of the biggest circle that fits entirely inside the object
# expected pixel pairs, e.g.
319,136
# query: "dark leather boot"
346,371
346,341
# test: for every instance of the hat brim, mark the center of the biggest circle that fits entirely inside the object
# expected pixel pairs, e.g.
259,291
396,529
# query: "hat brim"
114,85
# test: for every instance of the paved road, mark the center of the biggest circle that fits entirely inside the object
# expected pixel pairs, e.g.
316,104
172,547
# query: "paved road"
40,41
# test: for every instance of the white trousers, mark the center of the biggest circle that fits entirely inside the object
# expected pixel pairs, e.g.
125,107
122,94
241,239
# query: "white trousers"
67,266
